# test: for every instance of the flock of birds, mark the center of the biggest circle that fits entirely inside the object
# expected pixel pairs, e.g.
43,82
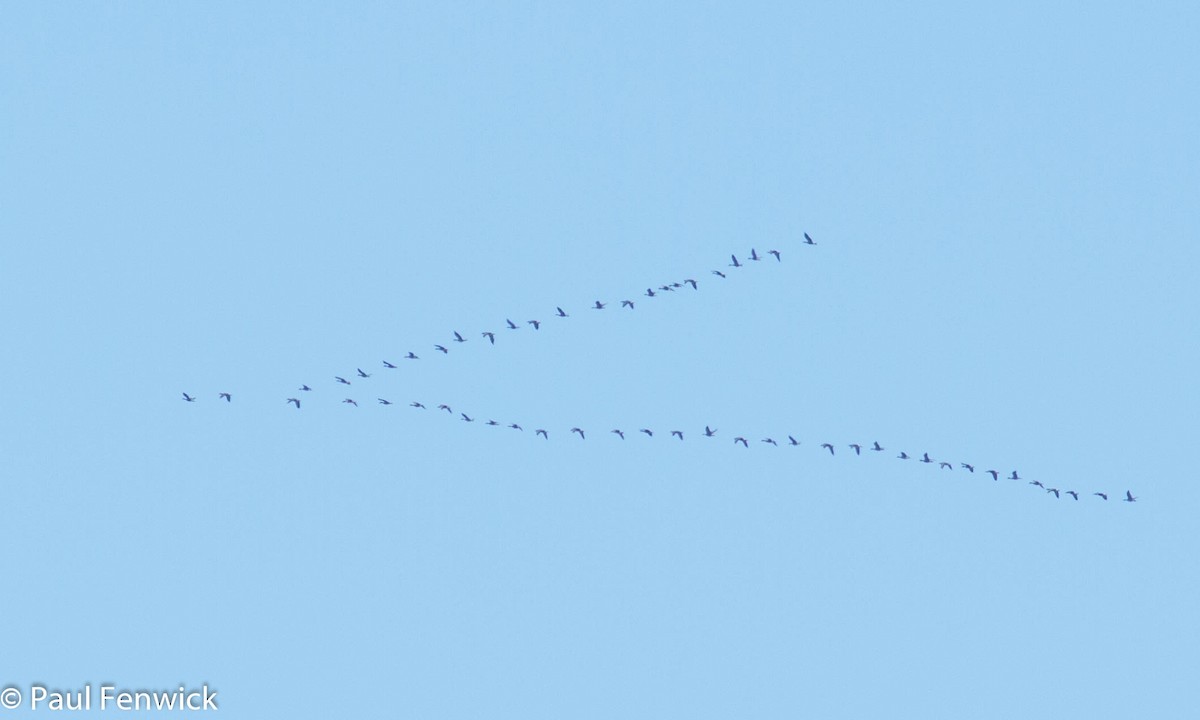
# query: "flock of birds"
678,435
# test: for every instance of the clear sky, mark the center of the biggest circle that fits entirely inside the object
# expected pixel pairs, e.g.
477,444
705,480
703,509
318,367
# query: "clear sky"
232,197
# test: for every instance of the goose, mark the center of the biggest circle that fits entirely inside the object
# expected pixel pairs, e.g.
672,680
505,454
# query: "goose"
627,303
1129,497
342,380
1037,482
442,349
828,446
946,465
543,433
677,433
857,448
226,397
877,447
459,338
995,475
348,401
1102,496
619,434
411,356
580,432
295,402
511,324
776,254
1013,476
515,426
709,432
649,292
388,365
384,402
718,273
741,440
1055,491
754,255
735,262
362,374
599,305
305,388
561,313
968,466
491,337
808,240
1073,494
416,404
446,408
769,441
693,283
467,418
649,433
537,324
792,440
903,455
926,459
493,423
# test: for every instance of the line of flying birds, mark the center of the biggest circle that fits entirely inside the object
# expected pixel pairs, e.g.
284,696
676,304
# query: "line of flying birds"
709,432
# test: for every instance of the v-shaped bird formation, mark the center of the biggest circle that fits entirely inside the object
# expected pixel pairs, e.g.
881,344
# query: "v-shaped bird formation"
709,433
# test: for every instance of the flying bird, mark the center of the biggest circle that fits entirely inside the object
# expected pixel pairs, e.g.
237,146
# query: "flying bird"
537,324
1055,491
946,465
560,312
619,434
446,408
467,418
388,365
627,303
491,337
493,423
776,254
754,255
1103,496
188,398
969,467
926,459
903,455
769,440
1073,494
741,440
226,397
581,435
857,448
1037,482
677,433
442,349
808,240
995,475
792,440
305,388
459,338
667,288
384,402
416,404
877,447
828,447
649,433
709,432
515,426
543,433
342,380
718,273
1129,497
511,325
598,306
348,401
1014,476
649,292
411,356
295,402
362,374
693,283
735,262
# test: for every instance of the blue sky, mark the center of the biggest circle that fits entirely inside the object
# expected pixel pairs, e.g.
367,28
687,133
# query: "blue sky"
214,197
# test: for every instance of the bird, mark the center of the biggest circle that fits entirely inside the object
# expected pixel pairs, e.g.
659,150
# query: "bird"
1055,491
666,288
776,254
926,459
348,401
295,402
580,432
808,240
493,423
537,324
753,255
491,337
227,397
718,273
515,426
677,433
676,285
792,440
649,292
511,325
467,418
384,402
459,338
709,432
362,374
968,466
188,398
828,447
903,455
877,447
388,365
411,356
1073,494
770,441
649,433
342,380
543,433
416,404
1037,482
305,388
560,312
1014,476
1129,497
442,349
693,283
446,408
946,465
1102,496
619,434
627,303
857,448
735,262
995,475
598,306
741,440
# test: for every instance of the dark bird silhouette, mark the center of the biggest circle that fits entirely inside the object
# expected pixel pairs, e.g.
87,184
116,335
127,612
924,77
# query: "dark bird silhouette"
903,455
735,262
416,404
305,388
1037,482
295,402
792,440
388,365
753,255
511,325
561,313
969,467
946,465
543,433
537,324
857,448
362,374
442,349
1055,491
411,356
493,423
467,418
580,432
491,337
446,408
677,433
342,380
649,433
718,273
828,447
741,440
515,426
995,475
770,441
348,401
776,254
667,288
649,292
1073,494
1129,497
926,459
1014,476
459,338
709,432
877,447
627,303
226,397
808,240
384,402
676,285
1102,496
598,306
695,285
619,434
